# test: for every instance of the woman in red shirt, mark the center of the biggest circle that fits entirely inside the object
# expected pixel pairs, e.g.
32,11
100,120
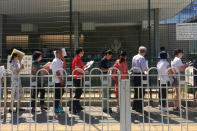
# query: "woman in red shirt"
78,79
122,65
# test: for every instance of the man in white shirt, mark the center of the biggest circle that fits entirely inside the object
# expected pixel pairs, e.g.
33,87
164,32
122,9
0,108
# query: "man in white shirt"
164,78
139,65
178,67
57,68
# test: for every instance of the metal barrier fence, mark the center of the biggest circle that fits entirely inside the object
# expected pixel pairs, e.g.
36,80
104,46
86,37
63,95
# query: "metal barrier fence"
102,109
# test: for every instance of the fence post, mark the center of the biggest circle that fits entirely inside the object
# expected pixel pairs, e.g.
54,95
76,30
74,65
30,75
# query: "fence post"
5,93
125,105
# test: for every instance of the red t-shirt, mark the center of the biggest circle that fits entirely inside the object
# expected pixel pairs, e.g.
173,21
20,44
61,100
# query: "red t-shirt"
77,62
123,67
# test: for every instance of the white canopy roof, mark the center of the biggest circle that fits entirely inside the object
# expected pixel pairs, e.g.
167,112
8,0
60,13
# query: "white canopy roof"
168,8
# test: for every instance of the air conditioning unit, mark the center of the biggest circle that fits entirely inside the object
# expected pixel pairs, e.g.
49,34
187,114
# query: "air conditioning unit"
29,28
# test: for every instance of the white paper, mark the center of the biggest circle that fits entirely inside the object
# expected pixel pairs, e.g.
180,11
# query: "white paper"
22,62
54,52
89,64
64,52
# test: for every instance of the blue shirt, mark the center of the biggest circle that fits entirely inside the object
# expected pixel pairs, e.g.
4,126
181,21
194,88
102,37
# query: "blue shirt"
104,64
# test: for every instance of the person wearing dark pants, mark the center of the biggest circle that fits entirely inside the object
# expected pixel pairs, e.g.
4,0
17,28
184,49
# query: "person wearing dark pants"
163,68
138,94
105,67
163,95
78,72
42,96
139,66
78,93
58,91
36,66
57,66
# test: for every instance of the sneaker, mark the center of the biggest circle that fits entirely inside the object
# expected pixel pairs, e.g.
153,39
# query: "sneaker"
56,116
57,110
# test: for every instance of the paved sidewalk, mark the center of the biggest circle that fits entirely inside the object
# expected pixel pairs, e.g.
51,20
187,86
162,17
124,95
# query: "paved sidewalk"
93,119
57,127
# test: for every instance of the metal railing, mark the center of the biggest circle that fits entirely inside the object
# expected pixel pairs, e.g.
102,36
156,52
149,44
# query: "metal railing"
101,108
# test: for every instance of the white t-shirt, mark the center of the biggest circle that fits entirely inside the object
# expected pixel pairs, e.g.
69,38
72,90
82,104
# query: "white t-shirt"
176,63
56,65
162,67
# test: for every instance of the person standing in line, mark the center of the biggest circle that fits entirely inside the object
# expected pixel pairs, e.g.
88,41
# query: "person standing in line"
195,78
36,66
122,65
105,67
1,82
164,79
163,50
178,67
16,93
78,79
139,61
57,66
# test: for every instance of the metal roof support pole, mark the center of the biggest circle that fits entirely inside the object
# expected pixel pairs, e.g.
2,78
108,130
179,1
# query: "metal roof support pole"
149,30
71,51
156,31
76,30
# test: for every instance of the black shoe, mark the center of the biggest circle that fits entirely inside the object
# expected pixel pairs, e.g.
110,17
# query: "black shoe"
80,108
134,108
10,111
74,110
33,110
106,111
43,108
